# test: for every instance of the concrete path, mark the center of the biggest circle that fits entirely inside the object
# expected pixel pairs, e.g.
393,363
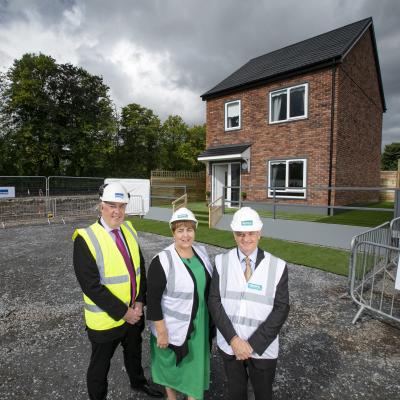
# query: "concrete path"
327,235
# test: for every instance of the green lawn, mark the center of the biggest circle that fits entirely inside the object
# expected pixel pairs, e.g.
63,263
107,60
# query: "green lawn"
351,217
327,259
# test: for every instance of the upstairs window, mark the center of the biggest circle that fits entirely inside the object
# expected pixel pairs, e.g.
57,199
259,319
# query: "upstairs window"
288,177
232,115
288,104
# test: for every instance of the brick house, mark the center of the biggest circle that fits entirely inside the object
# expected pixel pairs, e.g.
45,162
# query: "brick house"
306,115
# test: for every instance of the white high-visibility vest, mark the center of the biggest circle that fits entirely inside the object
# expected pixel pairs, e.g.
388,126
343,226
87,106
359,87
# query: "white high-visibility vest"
248,304
177,299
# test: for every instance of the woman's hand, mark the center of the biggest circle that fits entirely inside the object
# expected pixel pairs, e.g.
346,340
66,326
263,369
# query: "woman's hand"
162,334
162,339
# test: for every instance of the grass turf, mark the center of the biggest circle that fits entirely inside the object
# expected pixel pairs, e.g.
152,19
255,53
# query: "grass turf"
327,259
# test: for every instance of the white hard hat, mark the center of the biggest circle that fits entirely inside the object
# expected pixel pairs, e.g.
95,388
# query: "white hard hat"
182,214
115,193
246,220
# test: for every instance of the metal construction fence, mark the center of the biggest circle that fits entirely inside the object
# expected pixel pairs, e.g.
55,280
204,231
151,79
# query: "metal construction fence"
46,209
57,198
317,200
374,263
39,186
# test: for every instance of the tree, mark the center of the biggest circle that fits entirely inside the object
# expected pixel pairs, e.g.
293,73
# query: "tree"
390,156
174,134
139,142
180,145
56,119
192,147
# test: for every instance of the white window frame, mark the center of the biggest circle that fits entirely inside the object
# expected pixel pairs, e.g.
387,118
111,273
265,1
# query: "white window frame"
226,115
302,192
287,91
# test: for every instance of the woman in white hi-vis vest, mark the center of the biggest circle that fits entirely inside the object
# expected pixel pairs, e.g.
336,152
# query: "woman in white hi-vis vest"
177,289
249,303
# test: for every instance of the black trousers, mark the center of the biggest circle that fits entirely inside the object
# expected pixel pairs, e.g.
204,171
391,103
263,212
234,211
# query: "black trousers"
101,356
260,372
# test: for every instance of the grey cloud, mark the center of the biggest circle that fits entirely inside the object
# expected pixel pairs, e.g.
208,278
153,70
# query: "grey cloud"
207,40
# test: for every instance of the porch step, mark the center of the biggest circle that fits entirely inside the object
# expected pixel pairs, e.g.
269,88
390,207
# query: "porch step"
202,217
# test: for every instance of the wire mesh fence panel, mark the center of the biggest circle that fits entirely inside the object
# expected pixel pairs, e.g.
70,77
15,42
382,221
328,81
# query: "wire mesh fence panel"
65,207
25,186
374,269
380,234
395,232
31,209
46,209
72,186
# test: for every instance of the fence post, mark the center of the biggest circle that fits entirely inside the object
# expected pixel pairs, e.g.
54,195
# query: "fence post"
47,186
396,203
274,205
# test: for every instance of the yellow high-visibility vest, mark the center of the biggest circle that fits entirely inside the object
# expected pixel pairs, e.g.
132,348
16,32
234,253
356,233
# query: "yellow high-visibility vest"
112,268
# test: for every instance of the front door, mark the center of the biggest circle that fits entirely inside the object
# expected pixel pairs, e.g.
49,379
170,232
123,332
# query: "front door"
226,183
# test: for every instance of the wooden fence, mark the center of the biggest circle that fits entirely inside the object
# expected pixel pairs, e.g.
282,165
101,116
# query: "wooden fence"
389,179
170,183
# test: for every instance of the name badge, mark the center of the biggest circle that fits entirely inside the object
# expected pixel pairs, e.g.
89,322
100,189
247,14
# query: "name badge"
254,286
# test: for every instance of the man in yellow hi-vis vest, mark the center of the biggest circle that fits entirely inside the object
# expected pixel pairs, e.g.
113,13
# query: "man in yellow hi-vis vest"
110,269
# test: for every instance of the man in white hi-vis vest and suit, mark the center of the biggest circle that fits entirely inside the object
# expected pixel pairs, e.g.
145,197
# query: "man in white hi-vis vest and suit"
249,302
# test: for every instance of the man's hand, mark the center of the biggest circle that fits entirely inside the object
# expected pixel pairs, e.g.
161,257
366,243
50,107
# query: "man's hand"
131,316
134,313
241,348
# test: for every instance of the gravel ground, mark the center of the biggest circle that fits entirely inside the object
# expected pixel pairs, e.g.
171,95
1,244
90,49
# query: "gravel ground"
44,350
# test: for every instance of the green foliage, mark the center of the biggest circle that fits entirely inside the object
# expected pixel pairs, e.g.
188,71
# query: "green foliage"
390,157
195,144
139,142
174,134
57,119
181,145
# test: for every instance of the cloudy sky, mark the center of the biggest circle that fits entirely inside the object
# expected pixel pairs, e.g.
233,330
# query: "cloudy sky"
163,54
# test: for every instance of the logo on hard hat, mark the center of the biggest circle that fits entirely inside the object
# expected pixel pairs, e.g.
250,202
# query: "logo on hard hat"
246,223
119,196
183,216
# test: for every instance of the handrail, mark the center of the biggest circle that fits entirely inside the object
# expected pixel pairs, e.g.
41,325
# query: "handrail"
175,207
215,212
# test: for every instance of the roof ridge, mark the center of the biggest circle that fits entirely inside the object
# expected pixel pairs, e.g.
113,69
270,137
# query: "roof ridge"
369,19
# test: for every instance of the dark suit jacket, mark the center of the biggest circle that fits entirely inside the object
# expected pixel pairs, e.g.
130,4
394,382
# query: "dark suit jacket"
266,333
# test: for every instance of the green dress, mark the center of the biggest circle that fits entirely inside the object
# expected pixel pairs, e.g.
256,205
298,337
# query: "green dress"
192,375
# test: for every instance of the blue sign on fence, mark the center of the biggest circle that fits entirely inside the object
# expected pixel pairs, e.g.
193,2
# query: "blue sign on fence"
7,192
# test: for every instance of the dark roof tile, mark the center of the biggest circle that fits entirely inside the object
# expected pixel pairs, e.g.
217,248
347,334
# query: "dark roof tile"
317,51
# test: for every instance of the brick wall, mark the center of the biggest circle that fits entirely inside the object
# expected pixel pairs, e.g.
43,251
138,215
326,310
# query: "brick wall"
358,125
308,138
